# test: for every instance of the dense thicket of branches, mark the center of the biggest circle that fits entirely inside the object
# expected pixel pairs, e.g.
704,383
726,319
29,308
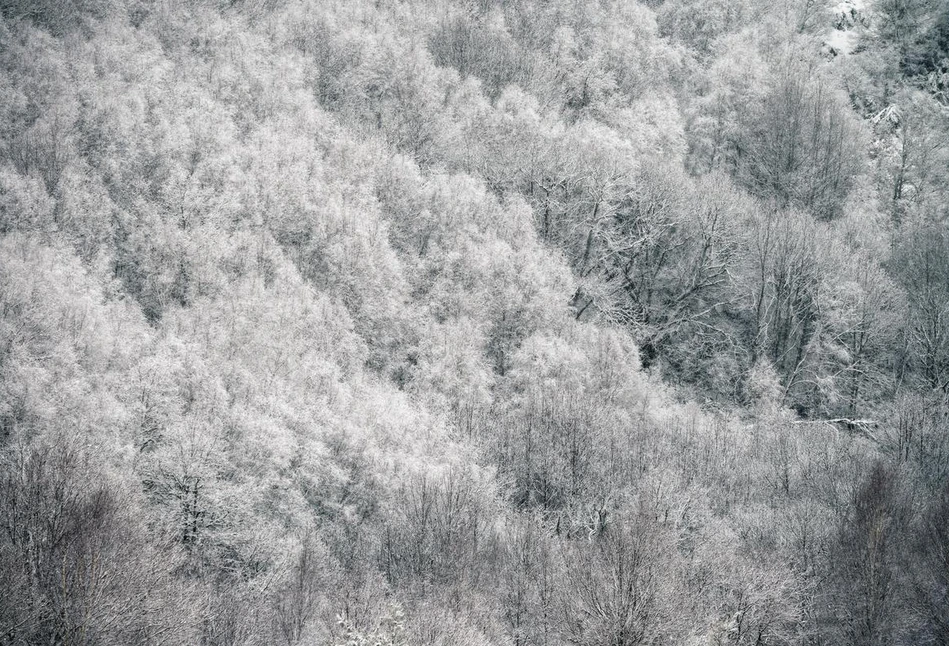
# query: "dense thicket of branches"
522,322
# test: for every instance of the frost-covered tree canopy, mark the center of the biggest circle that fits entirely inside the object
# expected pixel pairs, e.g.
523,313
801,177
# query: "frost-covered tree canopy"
475,322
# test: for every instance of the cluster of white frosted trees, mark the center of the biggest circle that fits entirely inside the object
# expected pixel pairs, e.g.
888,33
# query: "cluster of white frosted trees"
348,323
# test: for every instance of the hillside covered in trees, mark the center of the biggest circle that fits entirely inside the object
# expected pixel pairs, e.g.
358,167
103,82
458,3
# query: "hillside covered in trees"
483,322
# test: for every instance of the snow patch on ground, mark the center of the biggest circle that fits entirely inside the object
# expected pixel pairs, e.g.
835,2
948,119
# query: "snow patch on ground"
841,42
849,18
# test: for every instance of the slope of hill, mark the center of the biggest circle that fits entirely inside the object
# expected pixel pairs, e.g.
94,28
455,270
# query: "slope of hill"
486,322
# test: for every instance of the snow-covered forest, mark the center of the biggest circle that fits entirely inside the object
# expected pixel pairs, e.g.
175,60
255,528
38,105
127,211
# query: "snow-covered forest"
474,322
